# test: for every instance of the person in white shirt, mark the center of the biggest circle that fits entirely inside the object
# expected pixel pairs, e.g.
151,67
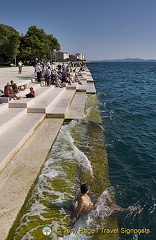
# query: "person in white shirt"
39,72
47,76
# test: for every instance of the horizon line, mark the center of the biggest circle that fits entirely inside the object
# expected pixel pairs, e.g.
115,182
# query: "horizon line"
124,59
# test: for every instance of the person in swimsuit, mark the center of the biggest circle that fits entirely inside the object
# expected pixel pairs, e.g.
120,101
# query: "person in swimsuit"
14,87
85,205
9,93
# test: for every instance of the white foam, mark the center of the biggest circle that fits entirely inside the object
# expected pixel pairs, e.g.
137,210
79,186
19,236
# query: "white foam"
63,150
91,220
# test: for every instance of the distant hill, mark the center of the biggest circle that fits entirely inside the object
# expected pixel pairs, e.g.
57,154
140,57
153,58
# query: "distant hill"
127,60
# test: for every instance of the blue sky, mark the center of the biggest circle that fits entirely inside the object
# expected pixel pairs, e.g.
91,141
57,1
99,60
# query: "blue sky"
101,29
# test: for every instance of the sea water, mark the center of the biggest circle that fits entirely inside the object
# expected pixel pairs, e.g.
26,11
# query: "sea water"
127,99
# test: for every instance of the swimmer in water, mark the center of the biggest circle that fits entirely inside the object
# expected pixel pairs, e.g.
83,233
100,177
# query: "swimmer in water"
85,205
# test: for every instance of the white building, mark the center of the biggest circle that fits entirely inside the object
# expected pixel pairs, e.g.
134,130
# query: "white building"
62,56
80,56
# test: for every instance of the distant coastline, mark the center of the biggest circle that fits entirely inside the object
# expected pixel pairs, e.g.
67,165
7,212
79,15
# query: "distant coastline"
125,60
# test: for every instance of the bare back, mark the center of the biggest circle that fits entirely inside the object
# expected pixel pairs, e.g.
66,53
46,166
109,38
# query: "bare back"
88,205
84,204
7,90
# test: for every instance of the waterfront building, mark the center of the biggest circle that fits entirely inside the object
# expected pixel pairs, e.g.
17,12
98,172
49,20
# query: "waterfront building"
61,56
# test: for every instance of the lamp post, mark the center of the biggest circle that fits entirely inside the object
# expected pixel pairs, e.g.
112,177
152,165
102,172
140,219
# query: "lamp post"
15,61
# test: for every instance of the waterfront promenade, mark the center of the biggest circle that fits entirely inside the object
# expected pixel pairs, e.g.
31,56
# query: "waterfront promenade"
28,128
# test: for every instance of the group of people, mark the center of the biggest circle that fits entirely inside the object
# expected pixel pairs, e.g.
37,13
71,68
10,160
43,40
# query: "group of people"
59,76
11,89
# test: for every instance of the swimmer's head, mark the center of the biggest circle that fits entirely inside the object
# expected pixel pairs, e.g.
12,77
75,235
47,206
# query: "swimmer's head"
84,188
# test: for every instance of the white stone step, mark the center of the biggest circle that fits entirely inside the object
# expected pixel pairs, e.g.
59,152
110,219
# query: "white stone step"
91,88
83,79
3,106
5,99
26,102
90,79
76,110
82,88
72,86
15,136
84,74
34,85
9,116
87,71
60,109
47,101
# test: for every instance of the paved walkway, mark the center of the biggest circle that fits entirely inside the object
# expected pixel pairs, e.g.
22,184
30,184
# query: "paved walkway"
8,74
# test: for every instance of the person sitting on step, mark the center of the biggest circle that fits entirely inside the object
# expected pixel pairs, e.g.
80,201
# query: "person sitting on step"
9,93
31,94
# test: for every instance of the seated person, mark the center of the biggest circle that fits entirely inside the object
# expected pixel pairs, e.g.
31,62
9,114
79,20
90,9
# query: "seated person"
9,93
58,83
64,76
53,77
85,205
14,87
69,80
31,94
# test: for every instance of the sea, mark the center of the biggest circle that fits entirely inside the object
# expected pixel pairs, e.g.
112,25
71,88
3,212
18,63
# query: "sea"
127,99
115,154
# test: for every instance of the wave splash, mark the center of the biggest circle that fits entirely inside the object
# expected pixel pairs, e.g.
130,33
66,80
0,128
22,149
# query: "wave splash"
45,195
84,228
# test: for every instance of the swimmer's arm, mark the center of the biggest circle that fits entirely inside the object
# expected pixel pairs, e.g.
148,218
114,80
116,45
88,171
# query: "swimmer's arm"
79,208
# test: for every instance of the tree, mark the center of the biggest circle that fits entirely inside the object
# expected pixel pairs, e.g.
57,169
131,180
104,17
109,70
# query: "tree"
9,43
72,58
37,44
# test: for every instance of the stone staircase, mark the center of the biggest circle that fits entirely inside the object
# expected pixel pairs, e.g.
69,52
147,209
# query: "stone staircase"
20,118
43,104
61,107
25,142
